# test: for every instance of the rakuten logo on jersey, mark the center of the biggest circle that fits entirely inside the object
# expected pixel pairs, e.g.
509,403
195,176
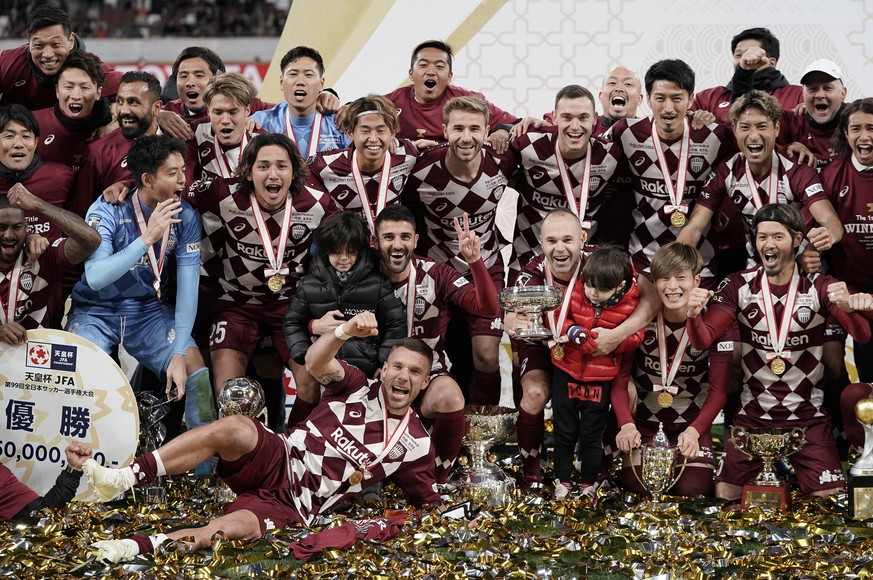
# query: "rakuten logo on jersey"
657,187
791,342
550,201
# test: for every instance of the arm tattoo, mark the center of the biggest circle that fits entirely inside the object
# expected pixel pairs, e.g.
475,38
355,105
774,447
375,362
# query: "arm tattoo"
330,377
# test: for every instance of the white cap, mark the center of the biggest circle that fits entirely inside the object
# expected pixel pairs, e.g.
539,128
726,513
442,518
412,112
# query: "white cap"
825,66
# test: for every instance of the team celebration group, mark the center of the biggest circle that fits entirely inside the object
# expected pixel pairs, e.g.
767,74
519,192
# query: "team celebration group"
713,256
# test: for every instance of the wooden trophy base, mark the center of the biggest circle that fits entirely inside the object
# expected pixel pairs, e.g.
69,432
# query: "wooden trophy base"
861,497
765,496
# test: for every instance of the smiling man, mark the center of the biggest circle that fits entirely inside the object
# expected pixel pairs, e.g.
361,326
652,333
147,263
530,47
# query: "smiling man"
620,97
363,432
28,73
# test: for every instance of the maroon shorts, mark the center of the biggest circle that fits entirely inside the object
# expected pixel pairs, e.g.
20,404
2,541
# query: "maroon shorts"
488,325
241,326
648,431
260,480
14,495
817,464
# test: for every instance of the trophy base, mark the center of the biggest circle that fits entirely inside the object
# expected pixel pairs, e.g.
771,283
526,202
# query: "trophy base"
223,494
490,486
773,497
861,497
533,334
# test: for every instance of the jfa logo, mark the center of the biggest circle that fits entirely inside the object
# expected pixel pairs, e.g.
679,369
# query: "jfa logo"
59,357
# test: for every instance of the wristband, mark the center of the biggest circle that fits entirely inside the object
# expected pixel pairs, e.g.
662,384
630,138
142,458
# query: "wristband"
340,333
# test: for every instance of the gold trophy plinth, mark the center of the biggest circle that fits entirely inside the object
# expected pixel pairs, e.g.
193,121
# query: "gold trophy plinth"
657,465
769,445
861,473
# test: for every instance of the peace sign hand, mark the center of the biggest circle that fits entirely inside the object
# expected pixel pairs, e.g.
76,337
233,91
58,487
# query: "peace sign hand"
467,240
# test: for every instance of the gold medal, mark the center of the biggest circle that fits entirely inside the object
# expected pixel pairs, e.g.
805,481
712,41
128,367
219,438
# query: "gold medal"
275,282
677,218
158,293
777,365
356,477
558,352
665,400
584,236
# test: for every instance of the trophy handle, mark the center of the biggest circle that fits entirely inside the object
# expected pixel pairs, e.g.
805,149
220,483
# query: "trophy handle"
796,441
739,438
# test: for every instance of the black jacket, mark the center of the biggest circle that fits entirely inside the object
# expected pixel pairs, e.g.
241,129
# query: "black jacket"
367,289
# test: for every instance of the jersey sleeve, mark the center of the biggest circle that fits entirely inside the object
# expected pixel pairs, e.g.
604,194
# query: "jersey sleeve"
190,233
715,189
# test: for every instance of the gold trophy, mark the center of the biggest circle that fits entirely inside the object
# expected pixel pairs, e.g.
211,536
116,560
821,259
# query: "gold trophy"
657,462
769,445
533,301
861,473
479,478
239,396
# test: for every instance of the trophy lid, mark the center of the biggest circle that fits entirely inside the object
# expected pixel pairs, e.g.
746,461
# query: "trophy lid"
660,439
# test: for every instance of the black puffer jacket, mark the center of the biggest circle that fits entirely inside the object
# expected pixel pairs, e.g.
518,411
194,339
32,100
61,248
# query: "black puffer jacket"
367,289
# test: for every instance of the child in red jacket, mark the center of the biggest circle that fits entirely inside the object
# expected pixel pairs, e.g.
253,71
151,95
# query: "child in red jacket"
607,296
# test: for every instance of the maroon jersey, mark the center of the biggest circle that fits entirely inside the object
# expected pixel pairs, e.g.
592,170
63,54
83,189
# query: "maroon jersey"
52,183
691,379
437,288
105,163
851,193
652,227
796,184
57,143
542,188
196,118
345,430
39,289
817,138
444,198
717,100
796,395
21,83
425,120
242,255
203,159
331,172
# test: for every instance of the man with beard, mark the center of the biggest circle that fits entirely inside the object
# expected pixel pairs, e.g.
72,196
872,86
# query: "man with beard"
465,177
30,293
79,117
20,164
104,169
782,318
28,73
122,298
755,54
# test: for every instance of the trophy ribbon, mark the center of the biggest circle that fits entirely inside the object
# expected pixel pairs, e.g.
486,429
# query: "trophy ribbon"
156,264
675,209
772,183
221,159
581,208
778,332
275,256
381,196
669,367
556,325
7,311
314,134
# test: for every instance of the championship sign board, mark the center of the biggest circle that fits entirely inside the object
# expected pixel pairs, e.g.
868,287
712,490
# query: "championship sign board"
55,388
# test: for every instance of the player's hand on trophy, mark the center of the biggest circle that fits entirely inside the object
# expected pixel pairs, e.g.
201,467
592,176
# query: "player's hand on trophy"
628,437
689,443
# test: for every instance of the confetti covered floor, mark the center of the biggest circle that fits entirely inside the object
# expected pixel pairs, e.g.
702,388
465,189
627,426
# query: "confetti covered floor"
610,535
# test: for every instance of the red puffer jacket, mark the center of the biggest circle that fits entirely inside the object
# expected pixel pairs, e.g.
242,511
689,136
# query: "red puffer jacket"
585,367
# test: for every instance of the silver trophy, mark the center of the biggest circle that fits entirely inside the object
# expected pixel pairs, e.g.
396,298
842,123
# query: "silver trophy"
151,434
480,478
239,396
533,301
861,473
657,464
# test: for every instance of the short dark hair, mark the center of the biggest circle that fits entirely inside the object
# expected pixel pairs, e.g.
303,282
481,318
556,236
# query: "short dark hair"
141,76
85,61
437,44
840,141
149,152
20,114
5,204
758,100
769,43
212,59
344,229
574,92
607,267
415,345
673,70
44,16
395,213
302,51
250,155
783,213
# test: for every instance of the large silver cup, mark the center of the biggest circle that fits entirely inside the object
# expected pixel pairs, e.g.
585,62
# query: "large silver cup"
480,479
657,461
533,301
239,396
